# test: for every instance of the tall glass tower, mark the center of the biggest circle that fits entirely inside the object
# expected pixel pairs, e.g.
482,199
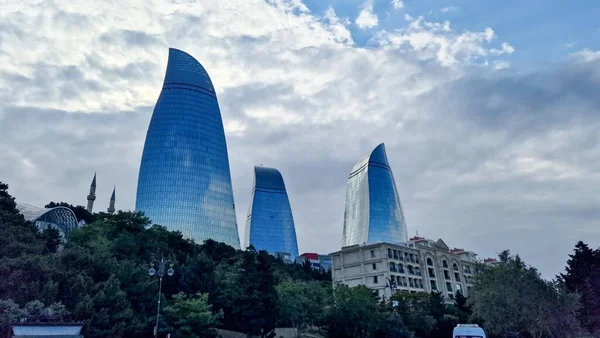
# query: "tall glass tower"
373,211
270,224
184,182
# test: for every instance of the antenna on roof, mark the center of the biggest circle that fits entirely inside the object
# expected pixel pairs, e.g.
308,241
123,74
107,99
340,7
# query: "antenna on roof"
417,233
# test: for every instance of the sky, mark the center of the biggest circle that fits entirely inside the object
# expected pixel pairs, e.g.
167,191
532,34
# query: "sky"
489,109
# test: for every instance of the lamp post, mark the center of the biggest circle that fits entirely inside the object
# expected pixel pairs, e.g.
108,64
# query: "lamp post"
162,264
391,284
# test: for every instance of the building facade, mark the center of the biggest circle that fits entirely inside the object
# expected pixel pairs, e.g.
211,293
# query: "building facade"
316,260
270,223
184,181
421,265
373,211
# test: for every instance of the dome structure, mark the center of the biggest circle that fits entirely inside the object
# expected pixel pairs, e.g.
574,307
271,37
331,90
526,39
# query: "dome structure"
61,218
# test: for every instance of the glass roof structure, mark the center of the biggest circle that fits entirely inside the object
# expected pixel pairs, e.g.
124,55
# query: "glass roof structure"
61,218
27,330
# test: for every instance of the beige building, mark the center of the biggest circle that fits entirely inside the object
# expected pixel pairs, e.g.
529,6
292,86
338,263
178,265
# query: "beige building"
421,265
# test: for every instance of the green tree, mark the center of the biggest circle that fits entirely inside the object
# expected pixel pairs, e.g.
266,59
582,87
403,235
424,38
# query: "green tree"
593,302
391,325
355,312
463,310
191,317
34,311
52,240
513,300
582,264
246,294
112,315
17,237
415,310
10,313
301,304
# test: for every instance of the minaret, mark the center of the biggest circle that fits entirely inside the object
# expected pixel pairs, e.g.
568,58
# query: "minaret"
92,196
111,207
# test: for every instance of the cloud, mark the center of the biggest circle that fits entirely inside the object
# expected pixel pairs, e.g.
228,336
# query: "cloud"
486,160
433,40
397,4
498,65
586,55
366,18
449,9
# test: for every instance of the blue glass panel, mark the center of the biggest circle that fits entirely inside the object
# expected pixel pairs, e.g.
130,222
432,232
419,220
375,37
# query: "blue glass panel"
373,210
185,182
270,224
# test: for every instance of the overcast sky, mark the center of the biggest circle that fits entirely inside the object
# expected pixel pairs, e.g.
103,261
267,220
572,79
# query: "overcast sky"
490,112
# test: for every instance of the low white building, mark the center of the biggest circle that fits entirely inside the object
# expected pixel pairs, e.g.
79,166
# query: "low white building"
421,265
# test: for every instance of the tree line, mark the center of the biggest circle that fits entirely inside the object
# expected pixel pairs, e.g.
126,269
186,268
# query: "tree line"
100,279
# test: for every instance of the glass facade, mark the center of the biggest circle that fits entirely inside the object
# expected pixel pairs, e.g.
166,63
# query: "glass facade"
61,218
184,181
373,211
270,224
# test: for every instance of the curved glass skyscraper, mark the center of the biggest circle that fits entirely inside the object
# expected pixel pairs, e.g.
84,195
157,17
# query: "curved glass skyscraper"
373,211
270,224
184,182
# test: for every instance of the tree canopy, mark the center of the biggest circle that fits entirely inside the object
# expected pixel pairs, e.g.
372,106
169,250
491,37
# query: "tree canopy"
100,278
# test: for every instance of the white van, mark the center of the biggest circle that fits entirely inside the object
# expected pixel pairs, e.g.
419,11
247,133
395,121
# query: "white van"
468,331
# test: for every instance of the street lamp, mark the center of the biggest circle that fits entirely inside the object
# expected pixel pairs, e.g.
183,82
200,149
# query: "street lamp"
391,284
162,264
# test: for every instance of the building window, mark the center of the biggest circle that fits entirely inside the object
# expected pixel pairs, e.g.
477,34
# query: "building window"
390,253
398,280
449,287
372,253
447,275
455,267
410,270
374,266
375,281
393,266
411,283
457,276
395,254
417,271
431,272
444,263
433,285
459,288
400,268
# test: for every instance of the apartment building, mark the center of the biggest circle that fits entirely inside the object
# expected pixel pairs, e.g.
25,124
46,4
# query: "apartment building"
421,265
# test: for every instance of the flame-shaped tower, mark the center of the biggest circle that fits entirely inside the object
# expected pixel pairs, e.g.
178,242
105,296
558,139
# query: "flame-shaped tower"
373,211
184,181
